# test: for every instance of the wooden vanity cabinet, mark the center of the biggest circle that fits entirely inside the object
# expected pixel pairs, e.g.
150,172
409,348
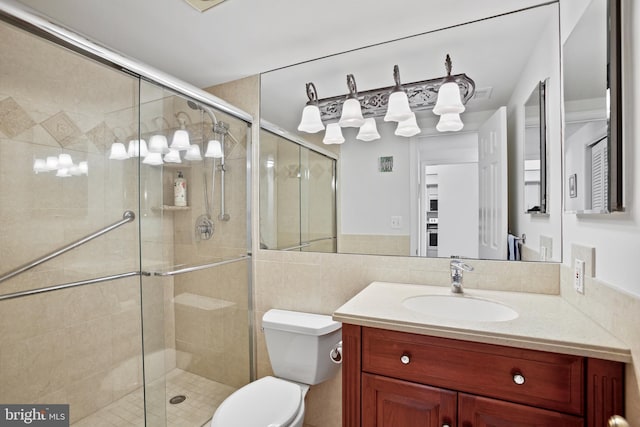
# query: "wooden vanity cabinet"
398,379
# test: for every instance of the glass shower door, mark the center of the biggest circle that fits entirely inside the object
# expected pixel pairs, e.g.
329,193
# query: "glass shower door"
70,327
196,282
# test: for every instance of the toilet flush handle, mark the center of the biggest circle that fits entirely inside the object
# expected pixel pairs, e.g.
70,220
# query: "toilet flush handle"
336,353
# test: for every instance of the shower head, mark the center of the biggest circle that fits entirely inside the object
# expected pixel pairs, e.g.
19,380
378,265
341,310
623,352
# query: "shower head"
195,106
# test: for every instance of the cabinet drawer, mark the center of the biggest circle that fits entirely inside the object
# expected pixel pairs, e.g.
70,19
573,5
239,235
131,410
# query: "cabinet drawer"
535,378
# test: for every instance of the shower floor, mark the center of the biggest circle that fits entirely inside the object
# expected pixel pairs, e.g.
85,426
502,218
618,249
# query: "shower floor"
203,397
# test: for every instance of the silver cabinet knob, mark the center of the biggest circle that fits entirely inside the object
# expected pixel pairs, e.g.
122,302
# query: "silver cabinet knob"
446,425
405,359
518,378
617,421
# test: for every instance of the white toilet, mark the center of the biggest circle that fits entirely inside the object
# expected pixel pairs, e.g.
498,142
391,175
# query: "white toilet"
299,346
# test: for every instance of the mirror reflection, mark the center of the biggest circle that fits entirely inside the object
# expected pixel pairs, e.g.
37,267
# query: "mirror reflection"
593,155
443,191
535,182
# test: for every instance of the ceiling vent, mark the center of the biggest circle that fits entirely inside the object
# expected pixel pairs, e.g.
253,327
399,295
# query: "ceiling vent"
203,5
482,93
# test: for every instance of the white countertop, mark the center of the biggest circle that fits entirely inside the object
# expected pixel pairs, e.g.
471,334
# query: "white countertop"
545,322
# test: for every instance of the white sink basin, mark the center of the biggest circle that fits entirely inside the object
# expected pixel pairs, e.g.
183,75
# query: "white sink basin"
460,307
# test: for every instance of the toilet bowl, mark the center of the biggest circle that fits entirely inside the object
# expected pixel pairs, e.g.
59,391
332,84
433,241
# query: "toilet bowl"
299,347
267,402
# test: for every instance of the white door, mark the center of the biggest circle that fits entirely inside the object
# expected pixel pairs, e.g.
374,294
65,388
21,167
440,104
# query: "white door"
492,168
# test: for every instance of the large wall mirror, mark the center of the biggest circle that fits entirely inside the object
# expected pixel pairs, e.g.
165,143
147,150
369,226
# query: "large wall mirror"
593,110
441,193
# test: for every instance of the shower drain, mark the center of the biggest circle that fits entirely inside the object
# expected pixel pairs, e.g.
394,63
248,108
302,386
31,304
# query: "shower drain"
177,399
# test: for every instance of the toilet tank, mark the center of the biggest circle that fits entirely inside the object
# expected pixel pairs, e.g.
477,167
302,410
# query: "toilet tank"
299,345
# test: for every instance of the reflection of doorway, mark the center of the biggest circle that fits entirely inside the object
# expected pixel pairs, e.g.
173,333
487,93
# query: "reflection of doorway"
452,162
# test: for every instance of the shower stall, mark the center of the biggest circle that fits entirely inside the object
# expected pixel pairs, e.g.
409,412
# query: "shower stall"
130,308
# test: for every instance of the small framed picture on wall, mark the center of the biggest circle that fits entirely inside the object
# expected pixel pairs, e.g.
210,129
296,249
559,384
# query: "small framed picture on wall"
573,190
385,164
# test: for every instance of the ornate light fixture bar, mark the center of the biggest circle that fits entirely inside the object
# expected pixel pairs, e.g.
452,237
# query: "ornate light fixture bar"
422,95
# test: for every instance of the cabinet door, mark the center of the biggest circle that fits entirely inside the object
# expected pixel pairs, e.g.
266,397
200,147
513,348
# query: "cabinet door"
475,411
387,402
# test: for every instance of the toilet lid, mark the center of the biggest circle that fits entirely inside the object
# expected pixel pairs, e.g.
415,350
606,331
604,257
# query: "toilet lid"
268,402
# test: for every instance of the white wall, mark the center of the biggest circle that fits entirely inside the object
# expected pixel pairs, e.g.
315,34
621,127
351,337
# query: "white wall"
543,63
369,198
616,237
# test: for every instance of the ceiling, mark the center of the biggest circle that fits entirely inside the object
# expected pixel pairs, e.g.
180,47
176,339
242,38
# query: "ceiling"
240,38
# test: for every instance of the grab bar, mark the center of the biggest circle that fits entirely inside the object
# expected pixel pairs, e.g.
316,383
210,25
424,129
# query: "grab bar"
67,285
128,216
199,267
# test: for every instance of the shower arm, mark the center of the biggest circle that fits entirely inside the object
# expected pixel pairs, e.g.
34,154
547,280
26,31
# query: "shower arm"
127,216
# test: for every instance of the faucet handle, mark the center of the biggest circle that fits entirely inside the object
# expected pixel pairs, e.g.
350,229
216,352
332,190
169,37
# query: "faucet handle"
458,265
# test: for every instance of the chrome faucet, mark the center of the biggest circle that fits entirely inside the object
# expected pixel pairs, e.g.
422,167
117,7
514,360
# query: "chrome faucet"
457,267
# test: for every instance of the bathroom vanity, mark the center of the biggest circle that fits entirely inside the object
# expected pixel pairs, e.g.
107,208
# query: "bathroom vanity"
406,368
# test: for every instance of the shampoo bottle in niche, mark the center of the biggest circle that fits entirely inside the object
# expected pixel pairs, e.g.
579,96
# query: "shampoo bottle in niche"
180,190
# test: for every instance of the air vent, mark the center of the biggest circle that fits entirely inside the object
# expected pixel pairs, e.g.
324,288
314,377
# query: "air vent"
482,93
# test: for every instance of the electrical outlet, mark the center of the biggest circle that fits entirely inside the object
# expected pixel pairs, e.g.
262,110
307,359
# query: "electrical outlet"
396,222
578,276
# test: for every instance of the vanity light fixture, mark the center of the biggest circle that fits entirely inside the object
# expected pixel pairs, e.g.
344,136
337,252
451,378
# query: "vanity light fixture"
158,144
193,153
137,148
215,146
62,165
351,111
368,131
118,152
173,156
398,109
311,121
446,96
449,104
408,127
333,135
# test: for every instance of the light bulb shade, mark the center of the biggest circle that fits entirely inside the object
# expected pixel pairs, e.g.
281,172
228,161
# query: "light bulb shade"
153,159
137,148
448,99
64,160
75,170
368,131
40,165
118,152
333,135
173,156
158,144
214,149
449,123
84,168
193,153
351,114
398,108
408,128
63,172
180,140
52,163
311,121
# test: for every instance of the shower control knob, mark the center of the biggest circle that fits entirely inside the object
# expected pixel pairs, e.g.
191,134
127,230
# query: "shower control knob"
405,359
518,378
